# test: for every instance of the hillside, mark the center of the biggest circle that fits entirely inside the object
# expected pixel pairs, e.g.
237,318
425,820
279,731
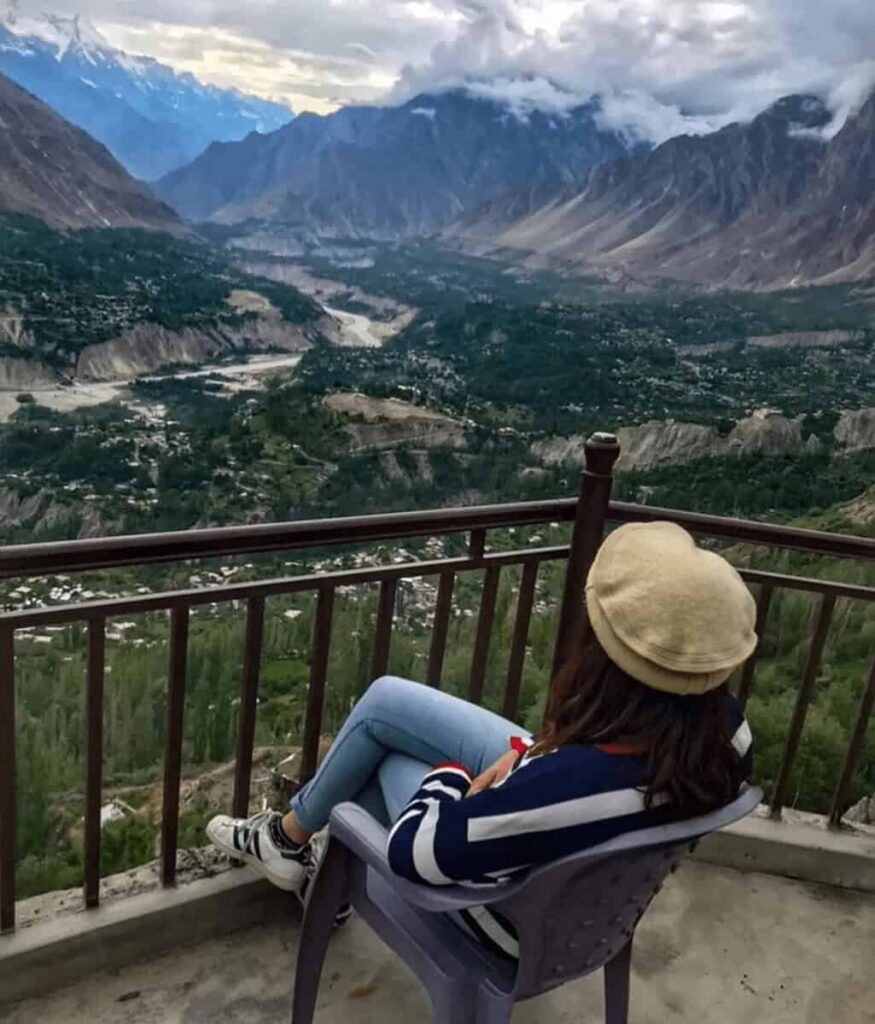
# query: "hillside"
387,172
285,453
764,204
102,304
150,117
53,170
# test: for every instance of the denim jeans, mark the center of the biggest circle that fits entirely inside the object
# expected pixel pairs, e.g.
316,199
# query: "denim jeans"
394,735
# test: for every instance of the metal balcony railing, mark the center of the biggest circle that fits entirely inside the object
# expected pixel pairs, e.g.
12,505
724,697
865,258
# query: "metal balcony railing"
589,513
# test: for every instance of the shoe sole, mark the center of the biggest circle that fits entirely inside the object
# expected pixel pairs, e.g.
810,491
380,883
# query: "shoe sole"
281,882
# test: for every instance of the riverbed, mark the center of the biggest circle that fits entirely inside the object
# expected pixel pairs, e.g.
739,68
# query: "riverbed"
354,330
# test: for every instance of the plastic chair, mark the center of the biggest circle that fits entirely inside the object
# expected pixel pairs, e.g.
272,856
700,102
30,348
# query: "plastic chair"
572,916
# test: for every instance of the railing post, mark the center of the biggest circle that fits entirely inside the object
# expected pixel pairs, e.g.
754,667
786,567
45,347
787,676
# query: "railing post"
840,799
803,700
94,757
596,480
316,689
173,741
246,720
8,812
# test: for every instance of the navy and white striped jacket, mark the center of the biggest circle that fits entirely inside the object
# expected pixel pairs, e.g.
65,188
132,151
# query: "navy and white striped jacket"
549,806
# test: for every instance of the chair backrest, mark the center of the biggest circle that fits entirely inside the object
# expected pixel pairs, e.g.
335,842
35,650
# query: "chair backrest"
576,914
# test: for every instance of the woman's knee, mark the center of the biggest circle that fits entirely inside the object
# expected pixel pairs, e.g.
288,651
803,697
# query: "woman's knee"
388,689
387,695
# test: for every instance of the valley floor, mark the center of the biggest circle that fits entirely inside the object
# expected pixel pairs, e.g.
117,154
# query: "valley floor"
353,330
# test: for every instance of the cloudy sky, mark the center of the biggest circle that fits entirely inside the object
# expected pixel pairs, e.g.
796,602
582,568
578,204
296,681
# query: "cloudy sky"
663,65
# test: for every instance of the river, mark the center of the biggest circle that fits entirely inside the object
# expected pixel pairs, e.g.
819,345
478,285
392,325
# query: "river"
359,331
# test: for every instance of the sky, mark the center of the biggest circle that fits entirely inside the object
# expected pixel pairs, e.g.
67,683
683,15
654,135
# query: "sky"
661,66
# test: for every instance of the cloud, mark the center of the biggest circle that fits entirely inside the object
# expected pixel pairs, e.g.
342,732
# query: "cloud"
314,55
661,66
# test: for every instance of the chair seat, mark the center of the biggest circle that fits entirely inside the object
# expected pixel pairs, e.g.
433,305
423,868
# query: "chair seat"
433,935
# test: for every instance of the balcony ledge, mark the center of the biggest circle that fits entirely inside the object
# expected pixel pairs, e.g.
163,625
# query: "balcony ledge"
799,846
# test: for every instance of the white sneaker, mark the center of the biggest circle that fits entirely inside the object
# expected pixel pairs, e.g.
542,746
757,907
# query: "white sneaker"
250,840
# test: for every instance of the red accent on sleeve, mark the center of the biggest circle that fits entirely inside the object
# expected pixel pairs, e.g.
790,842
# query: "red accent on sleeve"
520,745
623,748
453,764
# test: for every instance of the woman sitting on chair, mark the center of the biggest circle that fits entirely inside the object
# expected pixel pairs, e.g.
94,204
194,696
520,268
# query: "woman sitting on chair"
640,730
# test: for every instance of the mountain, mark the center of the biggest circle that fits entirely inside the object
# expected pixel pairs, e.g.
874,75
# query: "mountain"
52,170
763,204
150,117
388,172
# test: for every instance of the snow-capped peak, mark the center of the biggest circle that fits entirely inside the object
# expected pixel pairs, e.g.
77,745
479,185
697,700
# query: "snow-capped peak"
63,33
66,60
82,34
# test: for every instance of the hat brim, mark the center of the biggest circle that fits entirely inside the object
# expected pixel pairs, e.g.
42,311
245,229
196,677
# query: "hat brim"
645,671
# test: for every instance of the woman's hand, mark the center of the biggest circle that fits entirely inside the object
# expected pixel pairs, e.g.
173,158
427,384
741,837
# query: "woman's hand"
494,774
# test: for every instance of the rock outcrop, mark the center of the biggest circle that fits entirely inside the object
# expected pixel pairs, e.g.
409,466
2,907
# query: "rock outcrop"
42,511
855,431
668,442
861,510
24,374
862,813
147,348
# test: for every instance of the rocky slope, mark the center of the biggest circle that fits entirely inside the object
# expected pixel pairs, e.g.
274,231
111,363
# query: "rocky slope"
388,171
53,170
668,442
24,373
150,117
147,347
387,422
764,204
856,430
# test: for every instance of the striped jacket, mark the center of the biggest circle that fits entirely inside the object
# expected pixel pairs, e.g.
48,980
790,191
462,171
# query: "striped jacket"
549,806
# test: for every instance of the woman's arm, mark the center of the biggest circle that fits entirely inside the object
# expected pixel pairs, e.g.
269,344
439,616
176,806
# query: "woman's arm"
549,807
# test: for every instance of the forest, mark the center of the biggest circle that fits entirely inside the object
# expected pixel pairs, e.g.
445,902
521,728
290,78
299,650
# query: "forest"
77,288
601,365
507,375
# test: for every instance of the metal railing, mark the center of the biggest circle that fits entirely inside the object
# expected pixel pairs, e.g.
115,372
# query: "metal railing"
589,513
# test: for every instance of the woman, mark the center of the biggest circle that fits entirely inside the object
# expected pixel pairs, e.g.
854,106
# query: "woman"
640,730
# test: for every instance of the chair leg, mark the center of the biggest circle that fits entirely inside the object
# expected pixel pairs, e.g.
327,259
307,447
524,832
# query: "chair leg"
454,1005
617,974
493,1009
328,891
462,1003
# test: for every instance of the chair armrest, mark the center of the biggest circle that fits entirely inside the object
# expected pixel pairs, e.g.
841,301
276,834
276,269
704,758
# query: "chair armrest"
365,837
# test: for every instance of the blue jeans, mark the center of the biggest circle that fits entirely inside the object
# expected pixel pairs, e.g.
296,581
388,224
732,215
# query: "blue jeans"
394,735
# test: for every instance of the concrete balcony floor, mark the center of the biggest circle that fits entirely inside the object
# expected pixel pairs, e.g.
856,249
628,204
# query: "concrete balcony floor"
717,947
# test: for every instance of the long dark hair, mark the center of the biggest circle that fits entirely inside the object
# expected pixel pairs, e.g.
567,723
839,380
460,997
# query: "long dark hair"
685,739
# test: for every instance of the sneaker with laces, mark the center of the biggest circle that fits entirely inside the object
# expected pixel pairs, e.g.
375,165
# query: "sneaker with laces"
252,840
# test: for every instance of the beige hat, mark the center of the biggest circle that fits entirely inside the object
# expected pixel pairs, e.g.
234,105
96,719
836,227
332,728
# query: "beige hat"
673,616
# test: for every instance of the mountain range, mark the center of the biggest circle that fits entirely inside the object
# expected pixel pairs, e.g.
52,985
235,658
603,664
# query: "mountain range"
152,118
390,172
769,203
52,170
777,201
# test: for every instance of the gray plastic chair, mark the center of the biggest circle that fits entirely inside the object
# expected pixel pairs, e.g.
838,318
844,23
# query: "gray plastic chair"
572,916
